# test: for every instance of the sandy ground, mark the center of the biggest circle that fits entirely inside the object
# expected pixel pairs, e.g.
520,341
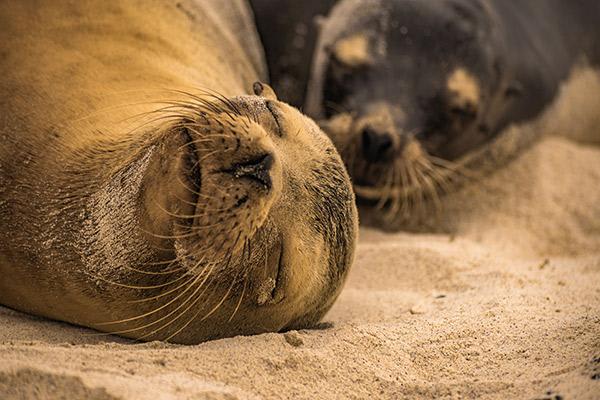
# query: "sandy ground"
507,307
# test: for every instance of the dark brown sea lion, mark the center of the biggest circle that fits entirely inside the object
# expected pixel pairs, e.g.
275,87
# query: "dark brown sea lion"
134,204
415,94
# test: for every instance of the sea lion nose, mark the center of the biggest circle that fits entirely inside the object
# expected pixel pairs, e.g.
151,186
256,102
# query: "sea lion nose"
256,169
376,146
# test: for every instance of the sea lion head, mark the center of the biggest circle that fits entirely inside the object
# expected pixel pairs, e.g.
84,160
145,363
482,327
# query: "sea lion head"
403,88
246,217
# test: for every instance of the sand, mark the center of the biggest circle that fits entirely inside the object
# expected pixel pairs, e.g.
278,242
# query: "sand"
507,305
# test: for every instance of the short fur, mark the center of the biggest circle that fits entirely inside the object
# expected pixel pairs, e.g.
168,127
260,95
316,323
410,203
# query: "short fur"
126,204
415,92
438,83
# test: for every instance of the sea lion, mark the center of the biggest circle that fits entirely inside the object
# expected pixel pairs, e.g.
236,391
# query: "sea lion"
417,94
134,204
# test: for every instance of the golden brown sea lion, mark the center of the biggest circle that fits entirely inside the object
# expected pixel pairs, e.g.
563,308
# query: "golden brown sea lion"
133,204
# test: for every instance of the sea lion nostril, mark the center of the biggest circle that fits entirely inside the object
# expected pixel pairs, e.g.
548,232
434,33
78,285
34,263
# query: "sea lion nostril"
257,169
376,146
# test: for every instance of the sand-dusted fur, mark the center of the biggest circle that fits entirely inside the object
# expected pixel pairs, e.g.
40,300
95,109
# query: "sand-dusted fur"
145,190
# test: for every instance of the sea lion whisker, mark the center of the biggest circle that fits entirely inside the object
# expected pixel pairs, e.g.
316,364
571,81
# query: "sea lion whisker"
239,303
406,191
190,216
175,108
192,191
215,95
218,249
198,228
231,107
168,292
439,178
390,178
192,304
181,314
218,305
234,108
150,298
200,309
167,272
178,103
159,236
189,283
166,113
124,105
154,322
165,262
457,167
431,189
199,161
184,184
452,177
418,191
171,214
204,104
397,196
113,108
203,196
132,286
206,138
167,118
207,155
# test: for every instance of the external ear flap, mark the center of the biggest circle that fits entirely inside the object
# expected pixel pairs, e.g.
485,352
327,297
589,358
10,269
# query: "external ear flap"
514,89
353,51
264,90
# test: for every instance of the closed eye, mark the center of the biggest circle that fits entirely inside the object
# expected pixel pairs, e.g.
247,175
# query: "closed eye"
276,117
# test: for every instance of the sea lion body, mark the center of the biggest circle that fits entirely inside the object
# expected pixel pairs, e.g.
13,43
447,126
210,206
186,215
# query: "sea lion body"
434,84
133,202
412,91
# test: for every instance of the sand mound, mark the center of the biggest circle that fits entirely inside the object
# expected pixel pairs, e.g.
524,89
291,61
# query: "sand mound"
508,307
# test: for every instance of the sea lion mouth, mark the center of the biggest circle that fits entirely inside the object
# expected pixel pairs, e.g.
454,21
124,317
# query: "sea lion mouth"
271,290
411,185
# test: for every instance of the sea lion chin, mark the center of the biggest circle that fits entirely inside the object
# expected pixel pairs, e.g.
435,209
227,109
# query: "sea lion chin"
215,215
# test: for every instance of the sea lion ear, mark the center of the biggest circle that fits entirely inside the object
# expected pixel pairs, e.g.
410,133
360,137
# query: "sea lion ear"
353,51
263,90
